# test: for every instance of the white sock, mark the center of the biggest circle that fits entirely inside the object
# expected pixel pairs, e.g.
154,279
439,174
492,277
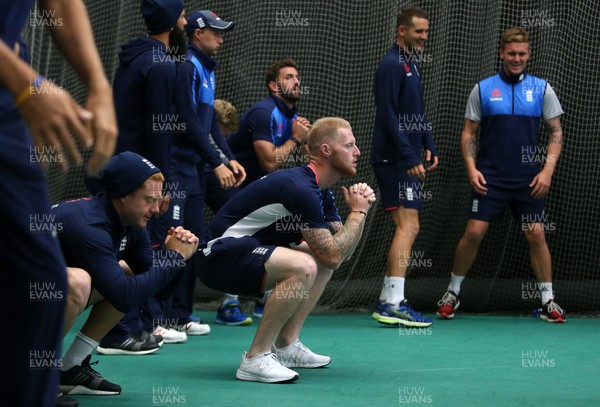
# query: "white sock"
546,292
455,282
396,293
227,298
81,347
385,290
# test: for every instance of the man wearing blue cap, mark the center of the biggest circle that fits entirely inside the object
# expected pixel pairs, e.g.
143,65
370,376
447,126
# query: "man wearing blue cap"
103,236
143,93
194,99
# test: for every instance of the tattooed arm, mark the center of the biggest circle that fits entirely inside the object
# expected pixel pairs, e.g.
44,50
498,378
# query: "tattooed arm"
555,143
541,183
333,250
337,226
469,151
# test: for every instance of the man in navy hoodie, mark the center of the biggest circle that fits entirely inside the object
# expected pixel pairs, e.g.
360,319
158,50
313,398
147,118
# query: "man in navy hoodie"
105,236
192,150
143,90
401,132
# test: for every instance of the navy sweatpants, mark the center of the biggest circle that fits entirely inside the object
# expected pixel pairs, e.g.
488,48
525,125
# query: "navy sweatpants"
33,279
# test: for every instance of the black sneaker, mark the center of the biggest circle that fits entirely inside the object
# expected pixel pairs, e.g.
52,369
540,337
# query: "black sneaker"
130,346
85,380
153,338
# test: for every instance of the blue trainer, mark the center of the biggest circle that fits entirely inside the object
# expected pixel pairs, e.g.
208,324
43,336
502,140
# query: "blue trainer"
259,307
405,315
231,314
194,318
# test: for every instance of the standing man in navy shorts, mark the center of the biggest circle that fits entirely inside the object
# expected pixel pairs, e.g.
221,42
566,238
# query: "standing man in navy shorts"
283,232
401,132
507,109
39,119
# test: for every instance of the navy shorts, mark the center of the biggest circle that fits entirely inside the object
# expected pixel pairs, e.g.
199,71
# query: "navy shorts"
491,207
397,188
234,265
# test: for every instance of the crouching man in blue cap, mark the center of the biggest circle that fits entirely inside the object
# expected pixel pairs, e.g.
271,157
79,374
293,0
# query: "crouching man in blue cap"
103,237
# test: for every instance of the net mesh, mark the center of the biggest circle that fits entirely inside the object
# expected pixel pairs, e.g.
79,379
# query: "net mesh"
338,45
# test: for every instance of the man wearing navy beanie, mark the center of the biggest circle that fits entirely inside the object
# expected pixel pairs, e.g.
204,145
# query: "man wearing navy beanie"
145,82
111,264
161,15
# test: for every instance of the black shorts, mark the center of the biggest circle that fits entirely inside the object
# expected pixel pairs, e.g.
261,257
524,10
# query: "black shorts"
234,265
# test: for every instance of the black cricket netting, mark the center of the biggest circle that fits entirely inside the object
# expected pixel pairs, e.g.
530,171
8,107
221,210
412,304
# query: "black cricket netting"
338,45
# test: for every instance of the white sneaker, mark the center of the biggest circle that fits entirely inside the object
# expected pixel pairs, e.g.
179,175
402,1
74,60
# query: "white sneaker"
193,328
170,335
265,368
298,355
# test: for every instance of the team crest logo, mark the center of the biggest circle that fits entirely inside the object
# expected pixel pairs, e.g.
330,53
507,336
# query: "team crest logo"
529,95
496,95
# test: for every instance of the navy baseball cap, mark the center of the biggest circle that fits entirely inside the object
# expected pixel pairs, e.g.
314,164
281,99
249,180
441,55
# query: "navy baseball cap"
207,19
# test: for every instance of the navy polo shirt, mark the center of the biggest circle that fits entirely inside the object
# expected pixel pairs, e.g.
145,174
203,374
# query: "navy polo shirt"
270,120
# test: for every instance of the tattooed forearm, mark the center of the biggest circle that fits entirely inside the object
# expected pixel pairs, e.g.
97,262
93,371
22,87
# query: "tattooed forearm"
555,135
333,250
335,227
349,236
555,138
469,142
471,147
319,240
353,248
555,144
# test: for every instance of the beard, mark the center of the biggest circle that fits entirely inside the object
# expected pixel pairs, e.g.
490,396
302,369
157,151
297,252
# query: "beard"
177,42
344,168
289,97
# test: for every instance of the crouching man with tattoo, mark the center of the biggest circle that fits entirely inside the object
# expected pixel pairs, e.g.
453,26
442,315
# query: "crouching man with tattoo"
283,232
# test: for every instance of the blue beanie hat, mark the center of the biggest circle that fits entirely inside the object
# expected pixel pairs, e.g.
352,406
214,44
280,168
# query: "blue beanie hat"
124,173
161,15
